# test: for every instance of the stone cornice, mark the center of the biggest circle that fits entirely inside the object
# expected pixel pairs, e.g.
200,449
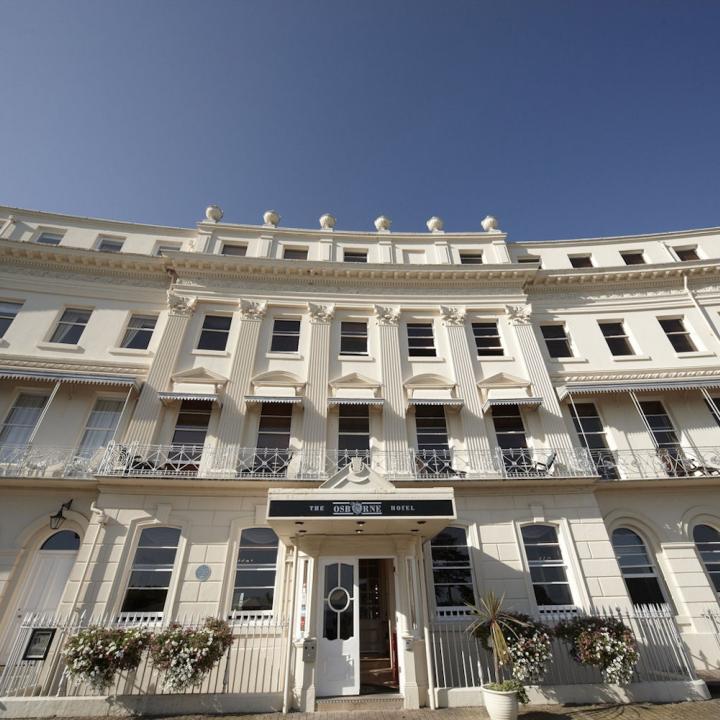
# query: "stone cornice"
188,265
23,362
639,276
63,260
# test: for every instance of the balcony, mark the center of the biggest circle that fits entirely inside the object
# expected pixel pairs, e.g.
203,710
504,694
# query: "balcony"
196,461
192,461
48,462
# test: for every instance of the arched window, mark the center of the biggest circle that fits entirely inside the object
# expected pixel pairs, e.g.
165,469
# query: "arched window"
151,571
637,568
451,571
548,571
254,588
707,542
63,540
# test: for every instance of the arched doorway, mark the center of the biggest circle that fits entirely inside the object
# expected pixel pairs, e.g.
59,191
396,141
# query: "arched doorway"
44,584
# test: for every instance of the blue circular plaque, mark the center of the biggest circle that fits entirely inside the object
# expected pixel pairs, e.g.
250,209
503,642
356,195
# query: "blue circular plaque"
203,573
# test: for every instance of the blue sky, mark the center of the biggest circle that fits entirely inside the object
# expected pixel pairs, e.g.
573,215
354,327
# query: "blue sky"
563,118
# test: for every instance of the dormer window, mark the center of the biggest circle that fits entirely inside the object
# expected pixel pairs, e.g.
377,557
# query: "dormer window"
295,253
355,256
633,257
686,254
49,238
109,245
471,258
233,249
581,261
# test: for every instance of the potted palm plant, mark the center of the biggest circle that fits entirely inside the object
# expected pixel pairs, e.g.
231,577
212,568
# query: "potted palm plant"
492,626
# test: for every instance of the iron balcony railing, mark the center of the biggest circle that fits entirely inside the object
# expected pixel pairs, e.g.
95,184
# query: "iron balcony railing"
232,463
193,461
44,461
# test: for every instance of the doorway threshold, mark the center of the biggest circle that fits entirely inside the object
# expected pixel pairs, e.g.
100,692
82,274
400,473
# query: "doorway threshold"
350,703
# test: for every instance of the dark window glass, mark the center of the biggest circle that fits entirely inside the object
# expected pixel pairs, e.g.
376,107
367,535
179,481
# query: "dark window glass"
239,250
48,238
471,258
356,256
431,428
354,427
421,341
139,332
452,574
547,569
660,424
274,428
591,433
637,568
295,254
677,334
556,340
63,540
286,336
487,338
581,261
616,338
109,245
707,542
151,571
633,257
353,338
338,600
8,311
192,423
687,254
254,588
215,331
530,259
70,326
21,420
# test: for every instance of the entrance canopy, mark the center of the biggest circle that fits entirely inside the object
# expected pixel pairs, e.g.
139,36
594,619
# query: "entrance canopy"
358,502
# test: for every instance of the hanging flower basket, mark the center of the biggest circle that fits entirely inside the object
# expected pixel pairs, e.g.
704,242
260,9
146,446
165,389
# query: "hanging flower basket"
605,643
186,655
96,655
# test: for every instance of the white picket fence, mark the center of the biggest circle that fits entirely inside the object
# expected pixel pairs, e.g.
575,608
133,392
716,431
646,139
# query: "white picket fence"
254,664
460,661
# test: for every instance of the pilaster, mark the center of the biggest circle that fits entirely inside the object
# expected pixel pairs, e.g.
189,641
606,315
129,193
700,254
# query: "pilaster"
143,423
230,425
551,416
394,423
316,391
472,414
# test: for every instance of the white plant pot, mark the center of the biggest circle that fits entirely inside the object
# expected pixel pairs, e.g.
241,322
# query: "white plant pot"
500,705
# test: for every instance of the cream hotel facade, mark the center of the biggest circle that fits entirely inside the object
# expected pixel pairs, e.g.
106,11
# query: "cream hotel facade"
337,439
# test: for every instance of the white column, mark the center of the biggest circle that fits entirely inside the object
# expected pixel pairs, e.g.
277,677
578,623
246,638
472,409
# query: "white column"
143,423
316,390
232,417
478,446
394,422
550,411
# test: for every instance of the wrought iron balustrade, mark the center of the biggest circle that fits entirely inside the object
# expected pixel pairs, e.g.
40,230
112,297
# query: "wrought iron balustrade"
44,461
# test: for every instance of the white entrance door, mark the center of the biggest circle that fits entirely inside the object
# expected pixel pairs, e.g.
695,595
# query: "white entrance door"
338,647
42,592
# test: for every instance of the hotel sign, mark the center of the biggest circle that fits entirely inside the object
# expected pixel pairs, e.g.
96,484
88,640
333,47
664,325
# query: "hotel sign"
360,508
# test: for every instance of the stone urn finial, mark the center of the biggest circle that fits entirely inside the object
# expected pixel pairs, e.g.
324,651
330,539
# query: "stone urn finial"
383,223
214,213
327,221
490,224
435,224
271,218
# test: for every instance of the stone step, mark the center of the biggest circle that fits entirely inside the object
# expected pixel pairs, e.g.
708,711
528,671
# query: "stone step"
360,703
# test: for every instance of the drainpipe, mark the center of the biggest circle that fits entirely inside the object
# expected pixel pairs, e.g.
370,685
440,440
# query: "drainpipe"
101,520
291,627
